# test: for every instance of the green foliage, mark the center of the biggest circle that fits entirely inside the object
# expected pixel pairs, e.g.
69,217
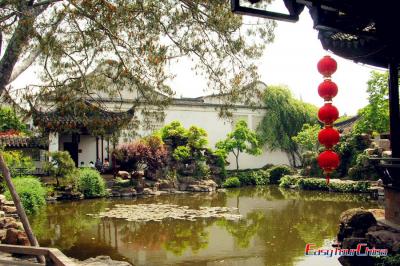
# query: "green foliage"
276,173
364,168
31,192
9,120
307,138
181,153
241,139
349,148
231,182
288,181
175,133
91,184
310,164
255,178
320,184
391,260
60,165
202,170
18,163
197,138
122,182
374,118
284,119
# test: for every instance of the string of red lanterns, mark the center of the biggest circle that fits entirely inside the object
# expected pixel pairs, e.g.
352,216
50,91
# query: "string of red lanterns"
328,160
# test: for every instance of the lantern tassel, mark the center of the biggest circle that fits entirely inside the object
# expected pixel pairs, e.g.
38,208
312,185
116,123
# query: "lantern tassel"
327,179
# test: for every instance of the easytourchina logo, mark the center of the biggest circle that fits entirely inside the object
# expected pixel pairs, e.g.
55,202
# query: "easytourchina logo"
361,250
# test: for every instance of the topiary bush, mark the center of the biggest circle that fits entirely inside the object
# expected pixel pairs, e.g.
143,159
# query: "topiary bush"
91,184
31,192
254,177
289,180
276,173
60,165
231,182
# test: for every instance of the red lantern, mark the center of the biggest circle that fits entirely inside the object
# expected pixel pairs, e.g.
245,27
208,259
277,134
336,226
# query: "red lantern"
329,161
327,89
328,113
328,137
327,66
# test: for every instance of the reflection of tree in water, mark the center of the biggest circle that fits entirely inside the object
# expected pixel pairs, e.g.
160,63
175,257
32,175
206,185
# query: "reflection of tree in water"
307,217
60,225
243,230
174,235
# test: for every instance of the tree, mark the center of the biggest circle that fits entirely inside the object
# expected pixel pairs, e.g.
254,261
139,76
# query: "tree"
241,139
374,118
284,118
67,39
307,138
60,165
9,120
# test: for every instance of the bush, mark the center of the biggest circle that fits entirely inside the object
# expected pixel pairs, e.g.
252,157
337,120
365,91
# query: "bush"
231,182
254,177
91,184
31,192
276,173
320,184
122,182
289,180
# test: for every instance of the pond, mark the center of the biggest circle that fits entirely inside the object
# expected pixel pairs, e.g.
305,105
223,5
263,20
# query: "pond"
275,226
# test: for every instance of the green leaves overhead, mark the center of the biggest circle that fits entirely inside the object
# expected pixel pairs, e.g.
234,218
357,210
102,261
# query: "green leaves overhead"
374,118
131,44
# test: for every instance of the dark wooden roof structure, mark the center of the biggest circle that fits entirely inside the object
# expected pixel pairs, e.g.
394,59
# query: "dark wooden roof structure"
23,142
82,117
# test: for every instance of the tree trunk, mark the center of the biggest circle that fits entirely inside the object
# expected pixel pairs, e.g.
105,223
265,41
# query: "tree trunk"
237,161
18,205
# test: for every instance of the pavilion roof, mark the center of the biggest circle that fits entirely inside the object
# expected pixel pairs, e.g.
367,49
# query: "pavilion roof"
19,141
82,117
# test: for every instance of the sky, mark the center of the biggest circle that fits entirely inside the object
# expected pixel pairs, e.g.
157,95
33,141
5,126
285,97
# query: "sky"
290,60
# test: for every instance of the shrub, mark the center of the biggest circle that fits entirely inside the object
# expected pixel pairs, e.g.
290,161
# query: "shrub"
231,182
276,173
61,165
320,184
122,182
289,180
149,152
31,192
91,184
181,153
253,177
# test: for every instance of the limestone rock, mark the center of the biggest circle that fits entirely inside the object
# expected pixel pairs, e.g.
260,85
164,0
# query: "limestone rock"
16,237
355,223
384,239
9,209
2,199
358,218
3,233
124,174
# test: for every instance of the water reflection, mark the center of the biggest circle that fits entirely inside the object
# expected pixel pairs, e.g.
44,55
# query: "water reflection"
275,227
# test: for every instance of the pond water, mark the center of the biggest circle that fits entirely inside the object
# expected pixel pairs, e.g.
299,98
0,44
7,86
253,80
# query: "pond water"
274,230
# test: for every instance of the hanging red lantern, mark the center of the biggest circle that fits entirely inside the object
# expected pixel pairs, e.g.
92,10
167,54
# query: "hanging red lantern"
327,66
328,113
328,137
328,161
327,89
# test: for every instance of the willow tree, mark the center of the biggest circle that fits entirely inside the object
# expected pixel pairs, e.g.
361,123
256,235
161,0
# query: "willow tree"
284,119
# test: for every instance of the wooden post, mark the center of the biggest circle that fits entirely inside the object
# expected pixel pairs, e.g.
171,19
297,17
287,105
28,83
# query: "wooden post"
18,205
394,109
